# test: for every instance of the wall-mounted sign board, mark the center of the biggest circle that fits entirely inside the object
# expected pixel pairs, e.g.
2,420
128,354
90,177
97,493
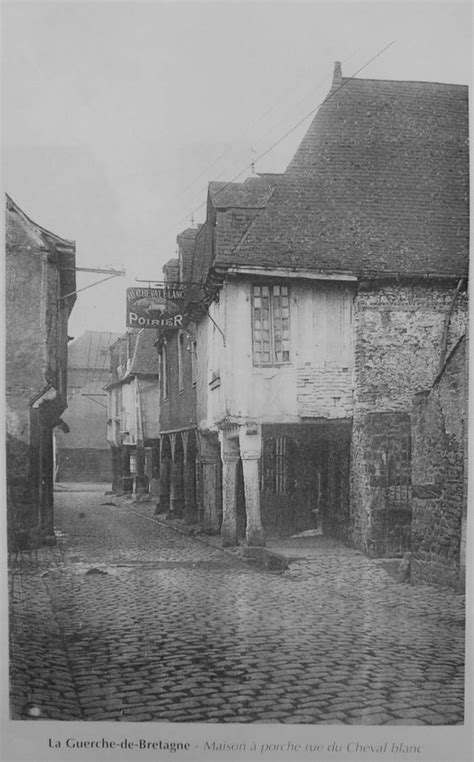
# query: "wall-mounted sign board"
154,307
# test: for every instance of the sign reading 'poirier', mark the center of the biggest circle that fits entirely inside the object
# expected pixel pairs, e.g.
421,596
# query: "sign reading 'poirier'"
154,307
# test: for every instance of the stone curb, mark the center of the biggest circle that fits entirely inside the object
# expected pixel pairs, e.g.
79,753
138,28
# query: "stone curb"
262,557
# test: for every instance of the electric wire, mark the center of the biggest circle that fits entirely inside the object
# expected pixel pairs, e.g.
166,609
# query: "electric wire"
263,116
286,134
308,92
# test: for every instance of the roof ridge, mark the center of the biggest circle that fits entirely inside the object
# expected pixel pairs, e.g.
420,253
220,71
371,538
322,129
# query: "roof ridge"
404,81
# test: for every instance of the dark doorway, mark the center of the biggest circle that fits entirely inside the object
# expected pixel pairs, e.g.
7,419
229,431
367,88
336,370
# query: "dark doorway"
305,479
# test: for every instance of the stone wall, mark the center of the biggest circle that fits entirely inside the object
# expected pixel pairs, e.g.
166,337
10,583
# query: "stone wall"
401,331
381,483
438,469
25,377
35,374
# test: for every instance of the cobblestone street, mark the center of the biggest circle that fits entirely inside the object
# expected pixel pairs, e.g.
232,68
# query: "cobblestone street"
127,619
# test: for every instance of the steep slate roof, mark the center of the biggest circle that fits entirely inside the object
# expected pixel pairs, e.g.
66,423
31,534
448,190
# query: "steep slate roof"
21,233
202,254
171,270
138,344
90,350
378,185
185,240
231,207
145,356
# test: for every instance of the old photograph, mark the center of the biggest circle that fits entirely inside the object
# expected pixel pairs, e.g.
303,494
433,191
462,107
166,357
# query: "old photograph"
236,380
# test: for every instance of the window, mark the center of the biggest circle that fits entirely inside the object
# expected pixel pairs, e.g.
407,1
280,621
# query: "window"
180,362
271,324
164,373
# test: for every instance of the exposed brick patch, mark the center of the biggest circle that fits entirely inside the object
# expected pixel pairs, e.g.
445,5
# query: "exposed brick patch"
324,390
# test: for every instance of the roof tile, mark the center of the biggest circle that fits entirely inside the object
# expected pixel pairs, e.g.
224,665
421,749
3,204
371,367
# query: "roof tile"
378,185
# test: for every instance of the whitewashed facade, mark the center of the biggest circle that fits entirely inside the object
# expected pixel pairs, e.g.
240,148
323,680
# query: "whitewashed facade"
274,351
314,381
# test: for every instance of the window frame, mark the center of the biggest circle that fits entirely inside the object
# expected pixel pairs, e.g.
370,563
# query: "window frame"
273,361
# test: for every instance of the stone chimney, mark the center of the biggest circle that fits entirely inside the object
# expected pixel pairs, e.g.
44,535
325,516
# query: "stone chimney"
171,271
185,241
337,76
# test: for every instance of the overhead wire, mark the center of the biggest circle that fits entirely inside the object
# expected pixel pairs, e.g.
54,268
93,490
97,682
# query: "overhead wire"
249,126
269,131
286,134
293,106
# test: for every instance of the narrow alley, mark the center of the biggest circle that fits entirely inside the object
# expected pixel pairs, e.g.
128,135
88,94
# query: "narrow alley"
127,619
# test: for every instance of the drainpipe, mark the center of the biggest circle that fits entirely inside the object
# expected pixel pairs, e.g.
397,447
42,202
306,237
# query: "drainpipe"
444,338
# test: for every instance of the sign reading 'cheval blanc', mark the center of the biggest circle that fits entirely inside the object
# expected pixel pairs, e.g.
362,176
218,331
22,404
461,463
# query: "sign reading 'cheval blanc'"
154,307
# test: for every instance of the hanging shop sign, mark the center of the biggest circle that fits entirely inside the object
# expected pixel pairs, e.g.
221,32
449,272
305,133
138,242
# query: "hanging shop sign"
154,307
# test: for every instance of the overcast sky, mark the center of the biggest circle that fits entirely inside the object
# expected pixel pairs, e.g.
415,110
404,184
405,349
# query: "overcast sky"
116,115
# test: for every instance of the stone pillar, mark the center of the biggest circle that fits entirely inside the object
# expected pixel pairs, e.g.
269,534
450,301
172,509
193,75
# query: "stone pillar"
189,479
250,439
176,480
230,460
229,499
210,481
163,505
212,495
155,468
141,479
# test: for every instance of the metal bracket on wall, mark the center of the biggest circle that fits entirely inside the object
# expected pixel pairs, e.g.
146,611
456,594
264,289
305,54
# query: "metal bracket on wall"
110,274
218,328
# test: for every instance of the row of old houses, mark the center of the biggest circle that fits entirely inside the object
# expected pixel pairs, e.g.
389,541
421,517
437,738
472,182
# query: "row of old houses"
320,343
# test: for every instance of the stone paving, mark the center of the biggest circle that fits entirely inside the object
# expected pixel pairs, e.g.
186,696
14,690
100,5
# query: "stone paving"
129,620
